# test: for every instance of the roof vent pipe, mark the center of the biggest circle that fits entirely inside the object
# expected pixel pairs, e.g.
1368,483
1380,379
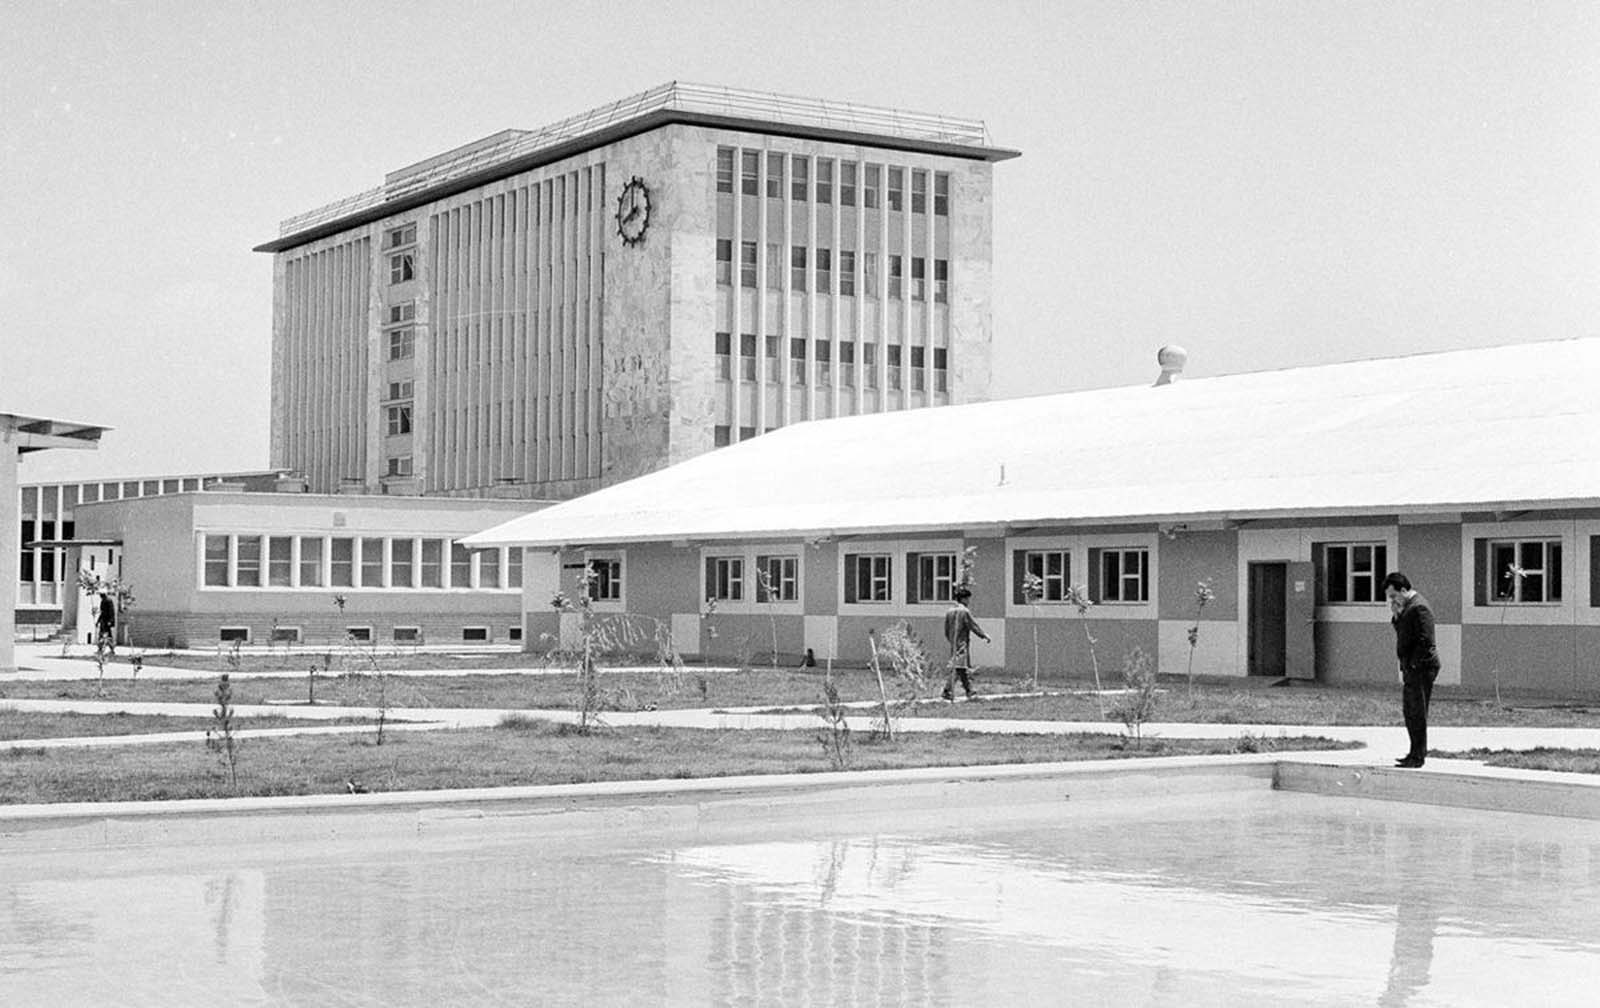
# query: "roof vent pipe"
1171,358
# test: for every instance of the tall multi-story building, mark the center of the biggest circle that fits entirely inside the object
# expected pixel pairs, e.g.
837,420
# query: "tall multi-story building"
542,313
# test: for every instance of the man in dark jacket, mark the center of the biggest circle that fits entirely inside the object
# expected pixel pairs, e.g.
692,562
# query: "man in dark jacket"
959,626
1419,661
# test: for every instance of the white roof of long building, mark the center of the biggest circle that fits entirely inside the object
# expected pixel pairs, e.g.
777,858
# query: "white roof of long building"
1487,429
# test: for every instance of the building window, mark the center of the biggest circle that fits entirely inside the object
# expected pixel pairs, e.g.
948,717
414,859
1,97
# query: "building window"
399,419
605,580
1123,574
774,361
930,577
489,568
407,635
285,635
725,169
869,273
247,563
432,563
1052,568
310,562
724,355
725,579
797,268
941,369
402,343
358,634
824,362
919,192
216,561
280,561
475,635
460,566
1525,571
867,577
1353,572
405,311
919,278
919,371
869,365
869,192
896,278
746,433
775,175
777,579
800,179
372,563
824,180
847,272
847,183
897,184
941,194
401,562
721,436
797,361
342,569
747,356
400,390
514,567
233,634
402,267
941,281
774,266
747,264
750,173
824,270
400,237
894,367
847,364
514,634
397,465
724,261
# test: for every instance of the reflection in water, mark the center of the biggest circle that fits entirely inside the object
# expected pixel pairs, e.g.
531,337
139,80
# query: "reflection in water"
1257,898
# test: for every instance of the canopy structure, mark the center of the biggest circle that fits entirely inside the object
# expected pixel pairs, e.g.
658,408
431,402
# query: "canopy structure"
19,435
1500,428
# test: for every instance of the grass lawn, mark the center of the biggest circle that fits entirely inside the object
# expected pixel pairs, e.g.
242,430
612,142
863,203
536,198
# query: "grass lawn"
16,725
626,691
1301,705
528,751
1542,758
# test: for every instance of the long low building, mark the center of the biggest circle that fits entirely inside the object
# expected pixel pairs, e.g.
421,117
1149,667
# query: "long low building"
1290,493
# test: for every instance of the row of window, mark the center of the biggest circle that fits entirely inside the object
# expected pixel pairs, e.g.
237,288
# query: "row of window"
801,258
364,634
267,561
823,353
814,178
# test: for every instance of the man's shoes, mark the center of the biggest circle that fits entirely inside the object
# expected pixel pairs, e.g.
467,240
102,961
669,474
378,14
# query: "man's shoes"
947,698
1409,762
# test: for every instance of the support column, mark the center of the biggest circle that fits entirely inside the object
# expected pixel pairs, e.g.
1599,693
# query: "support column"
10,545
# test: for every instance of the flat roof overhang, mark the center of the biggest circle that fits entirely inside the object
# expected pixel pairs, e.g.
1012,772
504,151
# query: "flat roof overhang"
622,131
33,434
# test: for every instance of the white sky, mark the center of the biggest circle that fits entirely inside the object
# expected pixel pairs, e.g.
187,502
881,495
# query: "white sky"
1266,183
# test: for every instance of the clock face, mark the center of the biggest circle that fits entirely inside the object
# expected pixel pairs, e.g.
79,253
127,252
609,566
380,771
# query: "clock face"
633,211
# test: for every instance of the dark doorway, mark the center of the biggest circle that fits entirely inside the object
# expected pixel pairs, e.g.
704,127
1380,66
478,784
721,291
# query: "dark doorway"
1268,647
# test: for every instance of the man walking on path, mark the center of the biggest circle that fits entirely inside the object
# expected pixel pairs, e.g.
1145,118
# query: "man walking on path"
105,624
1419,661
959,626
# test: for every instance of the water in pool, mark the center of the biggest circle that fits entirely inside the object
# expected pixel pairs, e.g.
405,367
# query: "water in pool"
1230,899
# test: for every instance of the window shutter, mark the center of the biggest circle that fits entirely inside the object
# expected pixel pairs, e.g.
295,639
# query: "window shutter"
913,581
1480,571
852,576
1019,568
711,578
1096,576
763,566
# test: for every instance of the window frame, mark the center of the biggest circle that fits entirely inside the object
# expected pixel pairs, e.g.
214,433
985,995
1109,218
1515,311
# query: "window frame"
1142,579
1377,563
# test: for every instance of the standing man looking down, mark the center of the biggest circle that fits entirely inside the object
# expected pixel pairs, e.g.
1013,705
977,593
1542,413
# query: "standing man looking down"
1419,661
959,626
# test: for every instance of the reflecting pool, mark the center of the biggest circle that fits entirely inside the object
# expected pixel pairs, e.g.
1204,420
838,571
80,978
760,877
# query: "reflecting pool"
1239,898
